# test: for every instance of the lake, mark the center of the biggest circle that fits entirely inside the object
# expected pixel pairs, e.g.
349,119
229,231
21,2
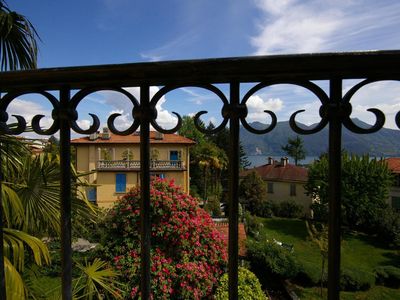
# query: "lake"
259,160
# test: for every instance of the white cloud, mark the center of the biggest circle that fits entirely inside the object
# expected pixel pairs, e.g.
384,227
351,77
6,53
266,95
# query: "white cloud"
256,106
294,26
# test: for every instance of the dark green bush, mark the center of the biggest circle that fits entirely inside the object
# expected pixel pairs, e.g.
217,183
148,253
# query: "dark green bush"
252,224
388,276
213,206
290,209
249,287
356,280
387,226
275,259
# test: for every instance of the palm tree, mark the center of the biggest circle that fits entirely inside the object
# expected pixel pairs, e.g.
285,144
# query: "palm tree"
31,205
18,47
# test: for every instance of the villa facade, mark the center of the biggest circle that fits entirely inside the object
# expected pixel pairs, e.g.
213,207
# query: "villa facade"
114,161
284,181
394,192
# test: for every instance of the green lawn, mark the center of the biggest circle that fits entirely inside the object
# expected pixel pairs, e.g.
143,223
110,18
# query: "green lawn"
358,251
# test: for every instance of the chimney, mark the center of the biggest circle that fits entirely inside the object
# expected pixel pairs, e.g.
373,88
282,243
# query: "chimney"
93,136
106,134
284,161
270,160
159,136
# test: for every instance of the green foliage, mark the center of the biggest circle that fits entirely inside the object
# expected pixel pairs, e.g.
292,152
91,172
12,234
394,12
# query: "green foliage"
288,209
127,154
356,280
252,224
267,255
365,187
388,276
249,288
295,149
252,193
213,206
387,226
318,233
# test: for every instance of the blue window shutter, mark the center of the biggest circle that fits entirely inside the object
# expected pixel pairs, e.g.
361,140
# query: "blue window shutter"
120,183
173,155
162,176
92,194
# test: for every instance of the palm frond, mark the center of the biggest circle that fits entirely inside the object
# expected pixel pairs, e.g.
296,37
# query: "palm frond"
15,242
18,45
15,288
13,211
96,279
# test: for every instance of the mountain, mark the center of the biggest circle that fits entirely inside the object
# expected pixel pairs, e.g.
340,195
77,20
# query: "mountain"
385,142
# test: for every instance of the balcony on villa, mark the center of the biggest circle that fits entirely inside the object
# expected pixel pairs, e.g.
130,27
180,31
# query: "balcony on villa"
134,165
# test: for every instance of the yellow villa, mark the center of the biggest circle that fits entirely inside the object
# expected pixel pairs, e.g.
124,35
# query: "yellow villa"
114,161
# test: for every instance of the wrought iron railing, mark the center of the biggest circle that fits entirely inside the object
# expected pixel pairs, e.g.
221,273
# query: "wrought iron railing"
298,70
130,165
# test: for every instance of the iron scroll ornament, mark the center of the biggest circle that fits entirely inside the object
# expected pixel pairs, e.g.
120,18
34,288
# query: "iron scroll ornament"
379,115
21,122
78,97
343,109
166,89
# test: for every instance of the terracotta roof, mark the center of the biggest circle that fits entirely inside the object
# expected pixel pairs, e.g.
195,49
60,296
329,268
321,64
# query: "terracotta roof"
279,172
135,139
223,228
393,164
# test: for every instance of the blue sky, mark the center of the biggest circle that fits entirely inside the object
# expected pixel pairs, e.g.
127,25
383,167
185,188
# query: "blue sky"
91,32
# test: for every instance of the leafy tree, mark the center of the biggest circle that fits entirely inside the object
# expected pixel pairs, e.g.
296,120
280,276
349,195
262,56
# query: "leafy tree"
18,48
319,235
295,149
252,193
365,187
188,254
207,161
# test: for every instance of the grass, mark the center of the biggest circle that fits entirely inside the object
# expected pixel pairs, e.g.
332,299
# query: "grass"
359,251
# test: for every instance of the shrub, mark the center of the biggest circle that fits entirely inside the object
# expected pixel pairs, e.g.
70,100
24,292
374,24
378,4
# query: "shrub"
187,255
213,206
253,224
388,276
249,287
272,257
356,280
290,209
387,225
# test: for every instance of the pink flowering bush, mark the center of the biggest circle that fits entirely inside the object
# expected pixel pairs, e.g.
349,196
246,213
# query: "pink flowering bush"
188,255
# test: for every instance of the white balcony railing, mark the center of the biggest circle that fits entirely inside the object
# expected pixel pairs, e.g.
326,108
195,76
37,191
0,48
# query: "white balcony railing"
135,165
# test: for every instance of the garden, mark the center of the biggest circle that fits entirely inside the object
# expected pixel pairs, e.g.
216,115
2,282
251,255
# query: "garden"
369,268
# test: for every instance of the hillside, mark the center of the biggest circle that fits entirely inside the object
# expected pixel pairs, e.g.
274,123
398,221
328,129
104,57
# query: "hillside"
385,142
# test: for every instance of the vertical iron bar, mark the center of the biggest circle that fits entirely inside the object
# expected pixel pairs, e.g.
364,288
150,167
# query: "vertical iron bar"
65,194
233,192
335,164
2,272
145,225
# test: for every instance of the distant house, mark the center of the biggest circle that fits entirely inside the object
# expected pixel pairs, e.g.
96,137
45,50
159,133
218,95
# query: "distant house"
394,193
284,181
114,161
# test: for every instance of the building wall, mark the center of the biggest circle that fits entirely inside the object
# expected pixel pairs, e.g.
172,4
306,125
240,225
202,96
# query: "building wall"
106,194
88,155
281,192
